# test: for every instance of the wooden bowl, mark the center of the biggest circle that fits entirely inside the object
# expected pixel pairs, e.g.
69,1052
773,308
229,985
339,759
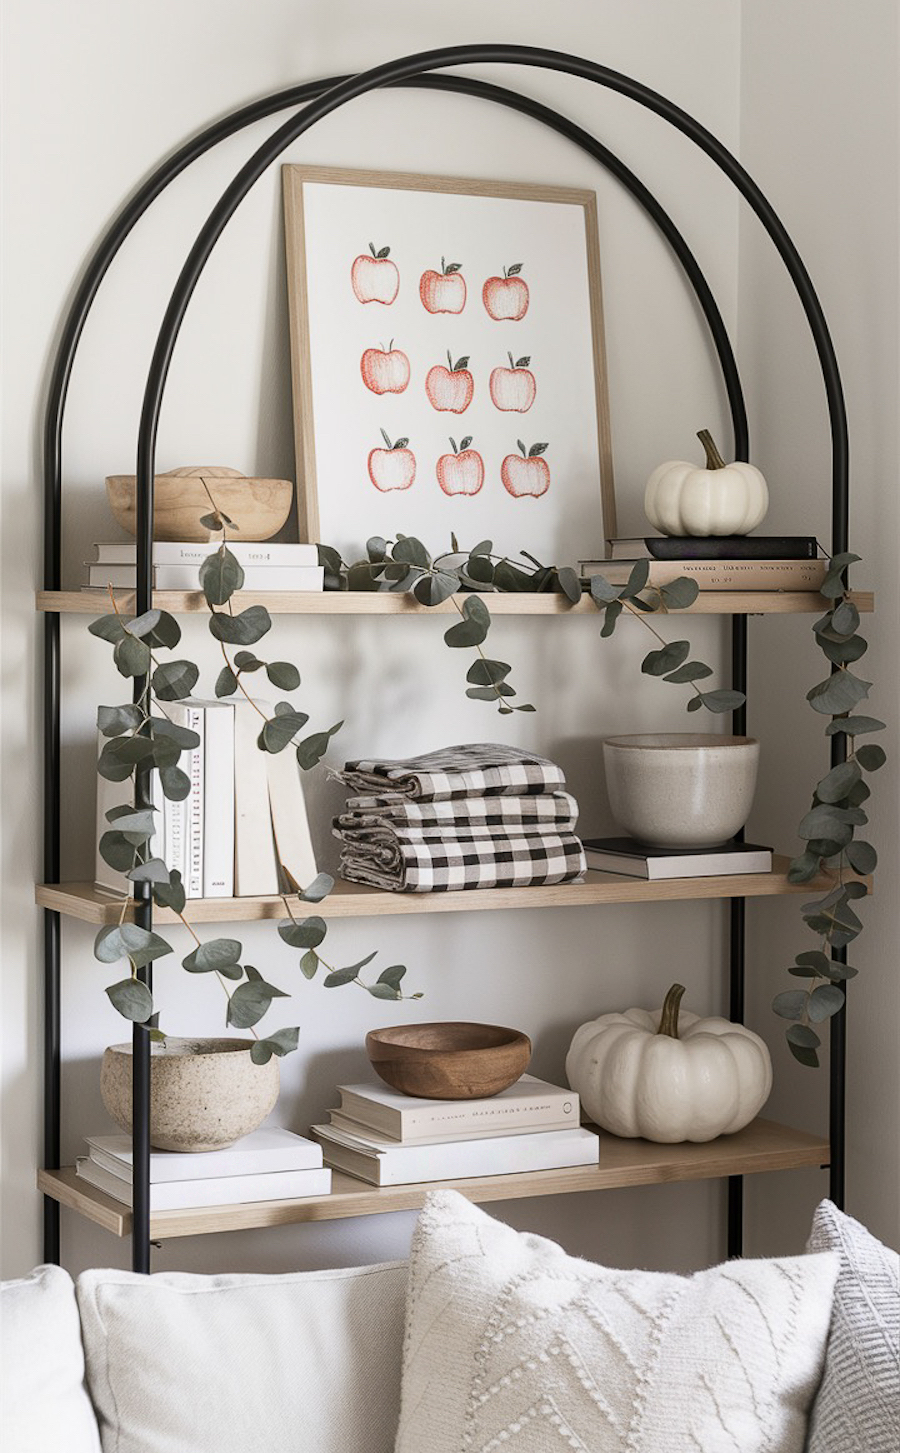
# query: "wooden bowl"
258,507
455,1061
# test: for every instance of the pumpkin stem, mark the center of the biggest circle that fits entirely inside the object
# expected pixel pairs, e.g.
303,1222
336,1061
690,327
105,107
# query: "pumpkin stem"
668,1019
714,459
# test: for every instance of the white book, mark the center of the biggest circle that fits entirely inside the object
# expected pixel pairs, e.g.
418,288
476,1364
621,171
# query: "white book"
187,577
530,1104
502,1155
190,552
255,871
377,1140
290,823
279,1185
118,794
185,819
218,798
637,860
268,1149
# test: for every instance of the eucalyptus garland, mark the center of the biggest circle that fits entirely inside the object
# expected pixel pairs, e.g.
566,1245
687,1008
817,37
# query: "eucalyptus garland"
141,738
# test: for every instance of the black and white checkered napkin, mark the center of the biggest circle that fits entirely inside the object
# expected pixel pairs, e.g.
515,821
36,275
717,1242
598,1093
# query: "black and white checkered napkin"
547,811
440,860
475,769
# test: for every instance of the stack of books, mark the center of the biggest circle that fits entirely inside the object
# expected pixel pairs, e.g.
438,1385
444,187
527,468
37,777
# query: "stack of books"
638,860
176,565
717,562
244,817
389,1139
267,1165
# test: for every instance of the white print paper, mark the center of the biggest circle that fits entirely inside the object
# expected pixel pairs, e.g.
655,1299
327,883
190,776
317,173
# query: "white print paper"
453,372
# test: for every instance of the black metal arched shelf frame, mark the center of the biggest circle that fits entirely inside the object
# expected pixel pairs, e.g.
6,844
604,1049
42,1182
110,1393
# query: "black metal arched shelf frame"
322,98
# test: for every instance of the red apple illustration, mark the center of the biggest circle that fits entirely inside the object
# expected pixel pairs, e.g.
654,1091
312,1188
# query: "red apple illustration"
444,291
528,475
450,389
375,279
385,370
513,389
461,472
506,297
393,467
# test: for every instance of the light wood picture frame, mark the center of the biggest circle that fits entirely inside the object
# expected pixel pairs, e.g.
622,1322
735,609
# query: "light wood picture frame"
448,363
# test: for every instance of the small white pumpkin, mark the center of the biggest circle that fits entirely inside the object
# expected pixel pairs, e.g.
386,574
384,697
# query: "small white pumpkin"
722,499
648,1074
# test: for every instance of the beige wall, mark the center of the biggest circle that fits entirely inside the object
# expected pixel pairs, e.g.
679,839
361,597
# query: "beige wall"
79,132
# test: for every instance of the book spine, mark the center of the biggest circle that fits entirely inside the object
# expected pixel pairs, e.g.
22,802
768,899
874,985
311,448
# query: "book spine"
459,1118
218,802
290,823
175,552
254,849
187,577
409,1165
722,574
167,1166
213,1191
733,547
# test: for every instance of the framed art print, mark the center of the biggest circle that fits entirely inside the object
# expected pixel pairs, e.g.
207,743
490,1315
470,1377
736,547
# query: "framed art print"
448,363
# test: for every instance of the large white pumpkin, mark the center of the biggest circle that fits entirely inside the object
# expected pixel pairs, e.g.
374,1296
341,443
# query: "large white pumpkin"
667,1076
722,499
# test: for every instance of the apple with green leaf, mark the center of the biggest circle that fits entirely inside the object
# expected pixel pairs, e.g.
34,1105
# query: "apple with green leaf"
375,278
513,389
444,291
393,467
506,298
450,389
461,472
528,475
385,370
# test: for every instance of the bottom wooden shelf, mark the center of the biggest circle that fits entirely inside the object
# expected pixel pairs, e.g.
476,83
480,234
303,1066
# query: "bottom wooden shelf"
761,1146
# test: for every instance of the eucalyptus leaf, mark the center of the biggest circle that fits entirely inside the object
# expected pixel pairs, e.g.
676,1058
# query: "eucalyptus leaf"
174,680
176,785
184,737
804,868
840,693
113,721
116,850
610,616
284,675
214,954
668,658
226,682
824,1001
132,999
480,569
337,977
171,894
143,625
108,628
435,587
309,933
845,620
483,672
392,975
803,1054
861,856
312,749
319,888
854,726
412,552
791,1004
680,593
802,1035
844,653
136,822
129,941
280,730
637,579
384,991
131,656
153,871
690,671
838,782
220,576
244,629
839,972
283,1042
309,964
250,1002
721,701
247,661
569,583
473,627
871,756
603,592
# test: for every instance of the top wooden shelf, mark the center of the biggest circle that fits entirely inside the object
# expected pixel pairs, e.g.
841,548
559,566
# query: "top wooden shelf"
348,602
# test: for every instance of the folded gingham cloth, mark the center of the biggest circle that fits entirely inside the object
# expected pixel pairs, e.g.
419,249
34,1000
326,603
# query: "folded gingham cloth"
548,811
475,769
437,860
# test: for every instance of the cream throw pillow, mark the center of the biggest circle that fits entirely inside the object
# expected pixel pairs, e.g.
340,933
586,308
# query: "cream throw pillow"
514,1347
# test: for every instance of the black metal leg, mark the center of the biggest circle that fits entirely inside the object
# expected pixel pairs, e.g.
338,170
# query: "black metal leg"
52,1064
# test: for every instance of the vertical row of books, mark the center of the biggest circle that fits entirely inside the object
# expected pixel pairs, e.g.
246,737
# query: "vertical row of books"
244,816
270,1164
389,1139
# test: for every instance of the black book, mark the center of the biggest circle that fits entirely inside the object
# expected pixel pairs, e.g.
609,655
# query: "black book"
716,547
638,860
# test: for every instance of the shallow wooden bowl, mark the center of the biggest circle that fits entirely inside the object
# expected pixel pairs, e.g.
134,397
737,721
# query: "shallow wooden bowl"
258,507
454,1061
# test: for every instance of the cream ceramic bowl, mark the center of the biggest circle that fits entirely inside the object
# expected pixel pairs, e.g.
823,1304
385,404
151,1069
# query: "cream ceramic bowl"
681,789
204,1093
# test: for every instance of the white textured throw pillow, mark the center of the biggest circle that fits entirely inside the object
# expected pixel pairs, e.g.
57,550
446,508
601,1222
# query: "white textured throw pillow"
514,1347
300,1363
44,1407
857,1409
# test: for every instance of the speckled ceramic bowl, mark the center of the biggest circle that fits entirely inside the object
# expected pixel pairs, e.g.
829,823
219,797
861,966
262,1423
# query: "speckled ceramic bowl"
204,1093
681,789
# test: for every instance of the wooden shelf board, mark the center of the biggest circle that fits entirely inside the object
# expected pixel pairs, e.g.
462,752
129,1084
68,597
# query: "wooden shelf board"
338,602
351,900
762,1146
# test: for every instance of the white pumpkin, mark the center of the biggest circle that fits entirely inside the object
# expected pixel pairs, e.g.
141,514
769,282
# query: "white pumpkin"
668,1079
722,499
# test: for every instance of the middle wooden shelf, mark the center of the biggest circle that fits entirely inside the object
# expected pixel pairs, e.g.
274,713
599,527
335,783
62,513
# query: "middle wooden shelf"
349,900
